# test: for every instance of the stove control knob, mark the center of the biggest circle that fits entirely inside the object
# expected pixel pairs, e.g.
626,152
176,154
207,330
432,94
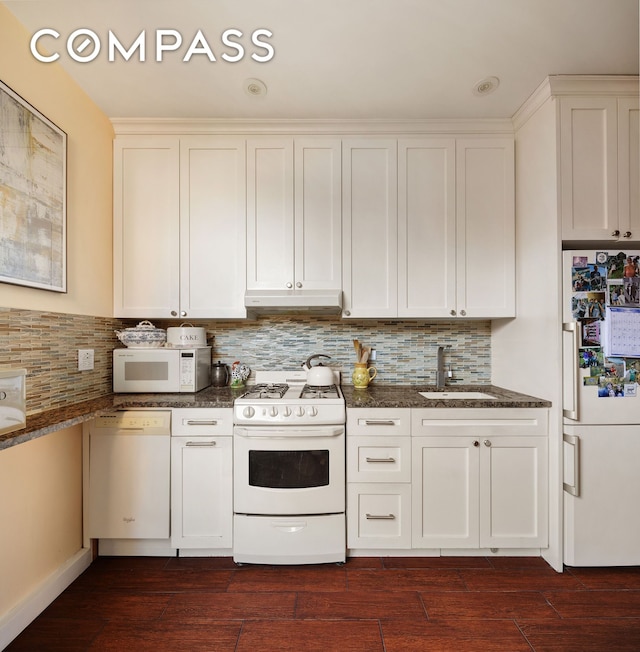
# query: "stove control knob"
273,411
248,412
300,412
312,412
286,412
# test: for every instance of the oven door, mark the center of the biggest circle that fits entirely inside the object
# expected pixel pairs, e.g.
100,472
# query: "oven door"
290,470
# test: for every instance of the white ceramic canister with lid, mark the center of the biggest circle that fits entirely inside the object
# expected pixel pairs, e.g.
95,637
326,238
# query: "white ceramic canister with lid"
186,336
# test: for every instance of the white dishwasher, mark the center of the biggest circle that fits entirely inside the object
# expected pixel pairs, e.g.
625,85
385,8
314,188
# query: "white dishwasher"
129,481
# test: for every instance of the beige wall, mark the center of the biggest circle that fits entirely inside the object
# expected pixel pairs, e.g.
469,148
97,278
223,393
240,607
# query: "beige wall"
89,172
40,511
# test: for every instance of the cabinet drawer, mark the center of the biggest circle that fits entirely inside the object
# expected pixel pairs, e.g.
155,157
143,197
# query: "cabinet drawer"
378,459
478,422
379,421
202,421
379,516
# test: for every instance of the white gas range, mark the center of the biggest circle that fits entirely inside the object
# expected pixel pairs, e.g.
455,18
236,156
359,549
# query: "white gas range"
289,471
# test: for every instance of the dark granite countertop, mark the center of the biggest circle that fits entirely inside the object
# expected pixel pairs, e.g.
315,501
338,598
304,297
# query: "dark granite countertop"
407,396
375,396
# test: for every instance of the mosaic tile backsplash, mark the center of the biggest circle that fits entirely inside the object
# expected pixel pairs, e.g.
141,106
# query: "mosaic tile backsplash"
46,345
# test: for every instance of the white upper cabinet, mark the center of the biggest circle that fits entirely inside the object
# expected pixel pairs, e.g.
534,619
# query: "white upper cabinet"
370,227
146,227
599,168
485,228
426,227
293,213
179,226
212,226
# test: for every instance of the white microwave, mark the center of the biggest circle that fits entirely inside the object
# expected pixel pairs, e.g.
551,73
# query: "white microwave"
161,370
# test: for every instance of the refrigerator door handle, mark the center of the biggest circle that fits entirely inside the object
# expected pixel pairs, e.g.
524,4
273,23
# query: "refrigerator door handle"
573,441
572,373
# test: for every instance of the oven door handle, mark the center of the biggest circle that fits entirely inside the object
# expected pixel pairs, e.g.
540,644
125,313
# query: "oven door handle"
287,433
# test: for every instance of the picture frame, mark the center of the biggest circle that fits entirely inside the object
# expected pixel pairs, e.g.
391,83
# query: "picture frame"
33,196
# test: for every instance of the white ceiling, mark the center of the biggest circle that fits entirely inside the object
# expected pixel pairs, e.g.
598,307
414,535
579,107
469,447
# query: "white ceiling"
340,59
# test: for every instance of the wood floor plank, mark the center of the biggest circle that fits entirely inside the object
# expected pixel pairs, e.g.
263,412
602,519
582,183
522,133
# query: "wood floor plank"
477,605
310,636
167,637
437,562
352,605
453,636
289,578
607,578
114,605
596,604
519,580
171,581
230,606
580,635
57,635
405,580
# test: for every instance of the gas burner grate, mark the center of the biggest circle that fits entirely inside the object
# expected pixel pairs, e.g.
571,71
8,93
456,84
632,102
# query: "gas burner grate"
266,390
319,391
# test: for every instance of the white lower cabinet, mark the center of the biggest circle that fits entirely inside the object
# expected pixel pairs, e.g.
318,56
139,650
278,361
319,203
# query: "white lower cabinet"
452,479
479,479
201,479
378,478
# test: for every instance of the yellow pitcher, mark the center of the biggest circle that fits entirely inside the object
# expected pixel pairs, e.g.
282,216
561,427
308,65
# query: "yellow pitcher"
362,375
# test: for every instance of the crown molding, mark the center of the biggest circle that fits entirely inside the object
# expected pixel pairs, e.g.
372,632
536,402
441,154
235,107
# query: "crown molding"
575,85
242,126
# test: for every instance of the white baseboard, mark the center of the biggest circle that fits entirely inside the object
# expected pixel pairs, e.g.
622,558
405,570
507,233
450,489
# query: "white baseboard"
17,618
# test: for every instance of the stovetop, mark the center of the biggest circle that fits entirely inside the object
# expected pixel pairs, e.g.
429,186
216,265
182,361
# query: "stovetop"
284,398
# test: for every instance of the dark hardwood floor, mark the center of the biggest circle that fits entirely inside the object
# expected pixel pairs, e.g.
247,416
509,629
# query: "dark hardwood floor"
368,605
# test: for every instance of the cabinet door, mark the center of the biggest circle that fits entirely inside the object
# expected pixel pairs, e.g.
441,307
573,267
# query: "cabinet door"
146,226
201,492
445,504
318,213
426,228
485,228
270,213
629,169
513,492
369,213
378,515
588,168
212,227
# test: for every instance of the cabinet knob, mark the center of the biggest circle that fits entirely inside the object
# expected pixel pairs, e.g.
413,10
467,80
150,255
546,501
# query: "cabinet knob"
463,313
626,234
298,284
347,313
615,233
289,285
452,313
174,313
183,313
476,443
487,443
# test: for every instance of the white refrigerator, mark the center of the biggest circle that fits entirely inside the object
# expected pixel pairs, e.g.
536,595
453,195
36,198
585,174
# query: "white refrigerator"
601,415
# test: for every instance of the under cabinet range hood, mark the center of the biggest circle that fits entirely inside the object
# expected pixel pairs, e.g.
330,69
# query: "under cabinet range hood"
327,302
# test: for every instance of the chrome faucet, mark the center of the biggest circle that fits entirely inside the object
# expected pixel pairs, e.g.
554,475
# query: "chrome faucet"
441,375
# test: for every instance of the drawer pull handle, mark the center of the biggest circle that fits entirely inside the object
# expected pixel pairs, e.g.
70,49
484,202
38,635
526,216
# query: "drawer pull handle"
202,422
383,460
380,422
207,444
380,517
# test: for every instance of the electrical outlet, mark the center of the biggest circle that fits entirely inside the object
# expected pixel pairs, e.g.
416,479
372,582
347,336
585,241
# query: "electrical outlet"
85,359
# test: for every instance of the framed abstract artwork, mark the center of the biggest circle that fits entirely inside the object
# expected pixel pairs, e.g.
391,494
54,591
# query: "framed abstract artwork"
33,202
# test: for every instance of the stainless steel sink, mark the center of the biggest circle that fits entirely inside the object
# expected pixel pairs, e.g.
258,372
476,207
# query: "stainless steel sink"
457,395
